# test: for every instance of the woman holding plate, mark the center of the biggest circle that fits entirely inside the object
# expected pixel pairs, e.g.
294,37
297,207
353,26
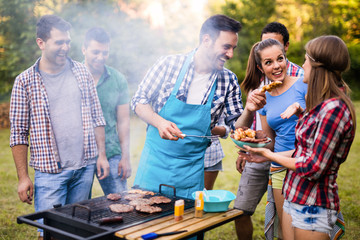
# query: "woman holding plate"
268,60
324,134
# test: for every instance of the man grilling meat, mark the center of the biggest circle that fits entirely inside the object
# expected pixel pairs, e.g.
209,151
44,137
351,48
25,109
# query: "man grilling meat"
187,94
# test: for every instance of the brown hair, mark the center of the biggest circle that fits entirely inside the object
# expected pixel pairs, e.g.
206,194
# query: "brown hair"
97,34
214,24
47,22
329,58
253,75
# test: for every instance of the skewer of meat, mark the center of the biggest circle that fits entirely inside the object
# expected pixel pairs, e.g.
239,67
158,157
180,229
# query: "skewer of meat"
271,86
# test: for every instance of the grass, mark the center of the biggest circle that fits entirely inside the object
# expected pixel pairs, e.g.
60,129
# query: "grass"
11,207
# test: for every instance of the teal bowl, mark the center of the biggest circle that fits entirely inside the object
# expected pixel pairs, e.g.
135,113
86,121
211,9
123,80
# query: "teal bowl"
216,200
250,144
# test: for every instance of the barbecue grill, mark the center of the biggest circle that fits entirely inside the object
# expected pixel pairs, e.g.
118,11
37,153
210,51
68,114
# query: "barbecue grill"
83,220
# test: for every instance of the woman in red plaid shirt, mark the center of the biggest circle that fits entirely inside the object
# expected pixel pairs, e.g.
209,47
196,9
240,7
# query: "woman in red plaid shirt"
324,134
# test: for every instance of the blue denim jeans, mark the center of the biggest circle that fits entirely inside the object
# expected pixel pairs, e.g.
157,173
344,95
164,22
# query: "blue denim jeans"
113,183
66,187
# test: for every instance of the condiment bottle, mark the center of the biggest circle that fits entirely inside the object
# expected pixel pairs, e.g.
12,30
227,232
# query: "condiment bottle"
179,210
199,204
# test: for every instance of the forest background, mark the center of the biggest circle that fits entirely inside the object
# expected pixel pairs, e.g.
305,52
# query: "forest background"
144,30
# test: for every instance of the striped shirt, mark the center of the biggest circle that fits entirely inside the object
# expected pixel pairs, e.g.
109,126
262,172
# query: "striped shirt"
160,80
323,139
29,115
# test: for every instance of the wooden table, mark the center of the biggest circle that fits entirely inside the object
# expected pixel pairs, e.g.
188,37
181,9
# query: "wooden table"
194,226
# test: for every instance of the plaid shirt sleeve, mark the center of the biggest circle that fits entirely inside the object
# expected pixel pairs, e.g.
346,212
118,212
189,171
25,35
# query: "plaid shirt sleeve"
97,114
151,84
19,114
222,124
331,124
233,99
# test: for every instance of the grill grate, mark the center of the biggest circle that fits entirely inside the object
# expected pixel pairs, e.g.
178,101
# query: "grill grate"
99,208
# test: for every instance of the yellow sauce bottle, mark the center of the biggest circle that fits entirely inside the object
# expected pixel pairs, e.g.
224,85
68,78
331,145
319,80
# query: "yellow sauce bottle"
199,204
179,210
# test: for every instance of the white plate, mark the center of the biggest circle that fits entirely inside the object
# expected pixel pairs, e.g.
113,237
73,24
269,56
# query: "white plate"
250,144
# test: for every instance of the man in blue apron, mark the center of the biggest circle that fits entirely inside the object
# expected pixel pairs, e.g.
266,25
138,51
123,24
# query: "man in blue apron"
186,94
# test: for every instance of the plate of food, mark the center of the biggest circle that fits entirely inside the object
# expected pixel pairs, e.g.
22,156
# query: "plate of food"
245,136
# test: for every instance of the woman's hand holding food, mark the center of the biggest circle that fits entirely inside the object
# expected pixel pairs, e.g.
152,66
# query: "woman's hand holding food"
255,100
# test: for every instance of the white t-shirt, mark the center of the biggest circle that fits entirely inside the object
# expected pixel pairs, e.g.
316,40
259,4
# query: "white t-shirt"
198,88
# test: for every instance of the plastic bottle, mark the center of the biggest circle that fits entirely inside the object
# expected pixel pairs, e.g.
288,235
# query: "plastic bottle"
199,204
179,210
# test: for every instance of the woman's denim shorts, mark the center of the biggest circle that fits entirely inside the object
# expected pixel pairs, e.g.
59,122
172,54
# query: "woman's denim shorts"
311,218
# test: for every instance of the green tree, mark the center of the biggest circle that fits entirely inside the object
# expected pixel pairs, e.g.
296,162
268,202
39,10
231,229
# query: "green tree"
135,46
17,40
253,17
333,17
305,20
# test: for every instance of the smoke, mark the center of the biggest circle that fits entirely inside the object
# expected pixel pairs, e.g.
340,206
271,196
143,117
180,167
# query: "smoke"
141,31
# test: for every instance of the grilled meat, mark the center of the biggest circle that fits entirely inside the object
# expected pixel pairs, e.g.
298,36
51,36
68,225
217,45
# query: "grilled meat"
134,196
113,196
139,191
148,209
271,86
121,208
160,199
140,201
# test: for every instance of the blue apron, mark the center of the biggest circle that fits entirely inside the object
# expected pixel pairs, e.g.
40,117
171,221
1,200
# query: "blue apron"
177,163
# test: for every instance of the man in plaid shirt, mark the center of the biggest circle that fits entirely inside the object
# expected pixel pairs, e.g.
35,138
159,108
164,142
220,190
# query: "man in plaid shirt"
186,94
55,102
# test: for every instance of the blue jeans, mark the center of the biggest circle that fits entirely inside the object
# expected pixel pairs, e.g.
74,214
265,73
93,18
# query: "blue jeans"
66,187
113,183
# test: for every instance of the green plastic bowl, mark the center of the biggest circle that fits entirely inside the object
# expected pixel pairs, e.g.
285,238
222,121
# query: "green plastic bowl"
216,200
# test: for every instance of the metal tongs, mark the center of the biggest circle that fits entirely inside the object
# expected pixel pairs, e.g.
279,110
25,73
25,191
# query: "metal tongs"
211,137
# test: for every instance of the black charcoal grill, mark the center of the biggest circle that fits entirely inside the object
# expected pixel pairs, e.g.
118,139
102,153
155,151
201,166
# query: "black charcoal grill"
82,220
